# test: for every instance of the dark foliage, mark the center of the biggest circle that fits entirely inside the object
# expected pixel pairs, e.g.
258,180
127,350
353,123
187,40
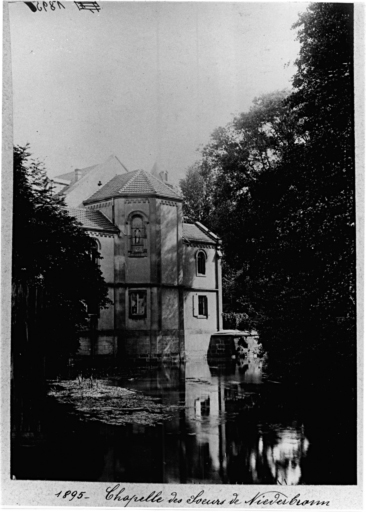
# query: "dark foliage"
197,189
56,279
283,202
312,271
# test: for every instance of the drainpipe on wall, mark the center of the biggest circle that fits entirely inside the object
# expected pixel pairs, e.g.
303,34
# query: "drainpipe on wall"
151,323
115,340
217,286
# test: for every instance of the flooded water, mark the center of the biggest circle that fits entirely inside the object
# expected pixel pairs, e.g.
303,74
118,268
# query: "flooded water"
234,426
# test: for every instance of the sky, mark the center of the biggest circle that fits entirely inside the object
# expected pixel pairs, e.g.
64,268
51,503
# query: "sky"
147,82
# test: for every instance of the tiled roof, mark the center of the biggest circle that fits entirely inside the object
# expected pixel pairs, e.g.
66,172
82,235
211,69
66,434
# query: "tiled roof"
133,183
92,219
71,177
193,233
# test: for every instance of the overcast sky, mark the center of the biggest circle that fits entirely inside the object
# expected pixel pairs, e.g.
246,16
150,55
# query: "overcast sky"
144,81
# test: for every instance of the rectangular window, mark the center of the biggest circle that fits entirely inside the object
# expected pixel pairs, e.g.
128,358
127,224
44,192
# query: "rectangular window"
202,305
138,304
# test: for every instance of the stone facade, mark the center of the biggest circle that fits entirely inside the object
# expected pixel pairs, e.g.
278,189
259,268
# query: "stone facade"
163,275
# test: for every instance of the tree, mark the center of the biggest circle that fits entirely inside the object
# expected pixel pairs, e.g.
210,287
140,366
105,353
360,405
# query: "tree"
283,204
320,224
55,275
235,159
297,246
323,97
324,80
317,178
197,189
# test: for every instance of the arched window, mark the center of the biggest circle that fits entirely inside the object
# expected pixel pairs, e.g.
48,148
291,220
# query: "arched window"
201,263
138,246
96,251
137,230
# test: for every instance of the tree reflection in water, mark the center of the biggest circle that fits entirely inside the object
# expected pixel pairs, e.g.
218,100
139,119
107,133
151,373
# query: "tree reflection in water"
223,410
231,426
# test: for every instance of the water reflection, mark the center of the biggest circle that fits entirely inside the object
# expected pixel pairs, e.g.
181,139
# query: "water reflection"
220,436
229,429
285,455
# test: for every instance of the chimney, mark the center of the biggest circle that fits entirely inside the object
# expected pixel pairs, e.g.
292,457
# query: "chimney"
163,176
77,174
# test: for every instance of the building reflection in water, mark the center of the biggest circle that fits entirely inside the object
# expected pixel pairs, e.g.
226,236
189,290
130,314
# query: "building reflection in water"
223,411
218,436
223,432
204,415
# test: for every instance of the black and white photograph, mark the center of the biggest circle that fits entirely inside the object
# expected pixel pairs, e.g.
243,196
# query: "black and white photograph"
182,185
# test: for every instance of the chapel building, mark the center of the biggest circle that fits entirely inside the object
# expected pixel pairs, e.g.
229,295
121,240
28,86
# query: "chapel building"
163,274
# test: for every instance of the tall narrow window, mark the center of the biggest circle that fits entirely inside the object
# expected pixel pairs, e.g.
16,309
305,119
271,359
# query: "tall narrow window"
202,305
138,236
201,263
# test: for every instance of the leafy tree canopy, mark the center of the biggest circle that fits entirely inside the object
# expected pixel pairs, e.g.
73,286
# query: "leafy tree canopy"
53,255
282,200
236,154
197,189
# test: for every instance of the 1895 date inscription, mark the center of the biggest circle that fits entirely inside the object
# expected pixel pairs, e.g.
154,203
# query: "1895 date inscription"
70,495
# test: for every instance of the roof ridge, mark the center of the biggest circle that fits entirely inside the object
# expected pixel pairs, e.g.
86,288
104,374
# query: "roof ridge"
148,175
151,176
133,178
205,230
125,168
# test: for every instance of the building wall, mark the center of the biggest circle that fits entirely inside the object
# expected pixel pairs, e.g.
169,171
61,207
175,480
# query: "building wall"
169,329
145,339
137,269
105,345
198,330
106,244
169,242
169,305
157,333
191,278
106,316
106,341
